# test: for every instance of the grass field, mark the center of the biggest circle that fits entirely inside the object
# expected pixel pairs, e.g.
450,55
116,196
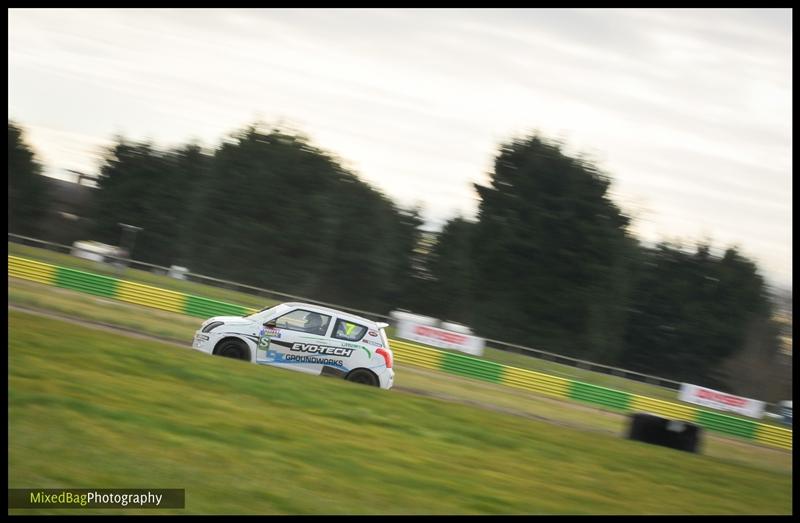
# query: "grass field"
248,300
452,388
105,310
181,328
93,409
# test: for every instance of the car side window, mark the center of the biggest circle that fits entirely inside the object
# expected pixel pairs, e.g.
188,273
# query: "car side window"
349,331
304,321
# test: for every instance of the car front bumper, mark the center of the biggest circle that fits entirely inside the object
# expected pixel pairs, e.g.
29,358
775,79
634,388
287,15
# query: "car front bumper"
202,342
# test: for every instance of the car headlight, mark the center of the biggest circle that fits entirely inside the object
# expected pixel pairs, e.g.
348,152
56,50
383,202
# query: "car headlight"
213,325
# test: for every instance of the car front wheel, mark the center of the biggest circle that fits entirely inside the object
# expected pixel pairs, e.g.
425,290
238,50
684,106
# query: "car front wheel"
233,349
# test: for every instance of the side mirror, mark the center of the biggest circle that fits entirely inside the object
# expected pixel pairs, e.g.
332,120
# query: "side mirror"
271,324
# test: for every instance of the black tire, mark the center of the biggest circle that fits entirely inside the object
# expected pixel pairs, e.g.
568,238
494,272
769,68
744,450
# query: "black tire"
232,348
643,426
656,430
690,439
363,376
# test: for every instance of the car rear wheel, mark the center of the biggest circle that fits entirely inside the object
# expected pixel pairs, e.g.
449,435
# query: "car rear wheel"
363,376
233,349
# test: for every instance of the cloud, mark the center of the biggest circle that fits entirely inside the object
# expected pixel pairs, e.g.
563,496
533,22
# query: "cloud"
688,110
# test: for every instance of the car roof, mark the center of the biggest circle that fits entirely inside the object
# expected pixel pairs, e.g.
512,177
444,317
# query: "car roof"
338,313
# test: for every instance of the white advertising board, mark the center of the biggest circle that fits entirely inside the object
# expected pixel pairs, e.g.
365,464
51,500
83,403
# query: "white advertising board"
721,400
441,338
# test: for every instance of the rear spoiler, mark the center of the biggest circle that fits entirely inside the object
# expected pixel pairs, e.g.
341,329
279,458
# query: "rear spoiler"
382,325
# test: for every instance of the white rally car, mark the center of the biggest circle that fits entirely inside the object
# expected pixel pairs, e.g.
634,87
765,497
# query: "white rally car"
303,337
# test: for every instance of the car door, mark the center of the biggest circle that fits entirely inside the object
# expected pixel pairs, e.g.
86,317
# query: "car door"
348,337
297,341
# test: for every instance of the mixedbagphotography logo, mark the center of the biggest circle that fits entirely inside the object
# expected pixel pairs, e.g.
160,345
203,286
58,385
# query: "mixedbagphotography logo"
96,498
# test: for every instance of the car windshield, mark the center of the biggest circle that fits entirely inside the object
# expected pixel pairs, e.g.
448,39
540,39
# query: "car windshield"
262,310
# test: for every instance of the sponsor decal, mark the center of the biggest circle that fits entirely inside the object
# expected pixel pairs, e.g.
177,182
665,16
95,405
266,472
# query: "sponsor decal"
373,343
264,335
720,400
272,357
201,337
314,359
441,338
322,349
272,333
373,333
445,336
726,399
358,347
314,348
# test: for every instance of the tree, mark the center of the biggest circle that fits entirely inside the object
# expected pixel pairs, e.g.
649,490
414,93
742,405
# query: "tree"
692,311
268,209
550,253
280,213
142,186
27,192
451,266
758,369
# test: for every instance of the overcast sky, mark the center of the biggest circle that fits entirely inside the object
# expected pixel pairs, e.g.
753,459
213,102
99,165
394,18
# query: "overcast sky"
688,111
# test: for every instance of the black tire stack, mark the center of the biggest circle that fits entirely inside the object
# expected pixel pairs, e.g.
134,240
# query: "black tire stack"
656,430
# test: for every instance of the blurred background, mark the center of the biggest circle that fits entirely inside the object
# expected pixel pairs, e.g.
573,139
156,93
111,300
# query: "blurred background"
612,186
569,218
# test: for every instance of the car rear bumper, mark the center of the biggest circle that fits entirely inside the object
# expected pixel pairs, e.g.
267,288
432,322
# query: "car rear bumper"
387,379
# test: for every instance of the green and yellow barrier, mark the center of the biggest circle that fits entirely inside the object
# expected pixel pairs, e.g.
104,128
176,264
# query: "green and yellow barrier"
535,382
31,270
127,291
